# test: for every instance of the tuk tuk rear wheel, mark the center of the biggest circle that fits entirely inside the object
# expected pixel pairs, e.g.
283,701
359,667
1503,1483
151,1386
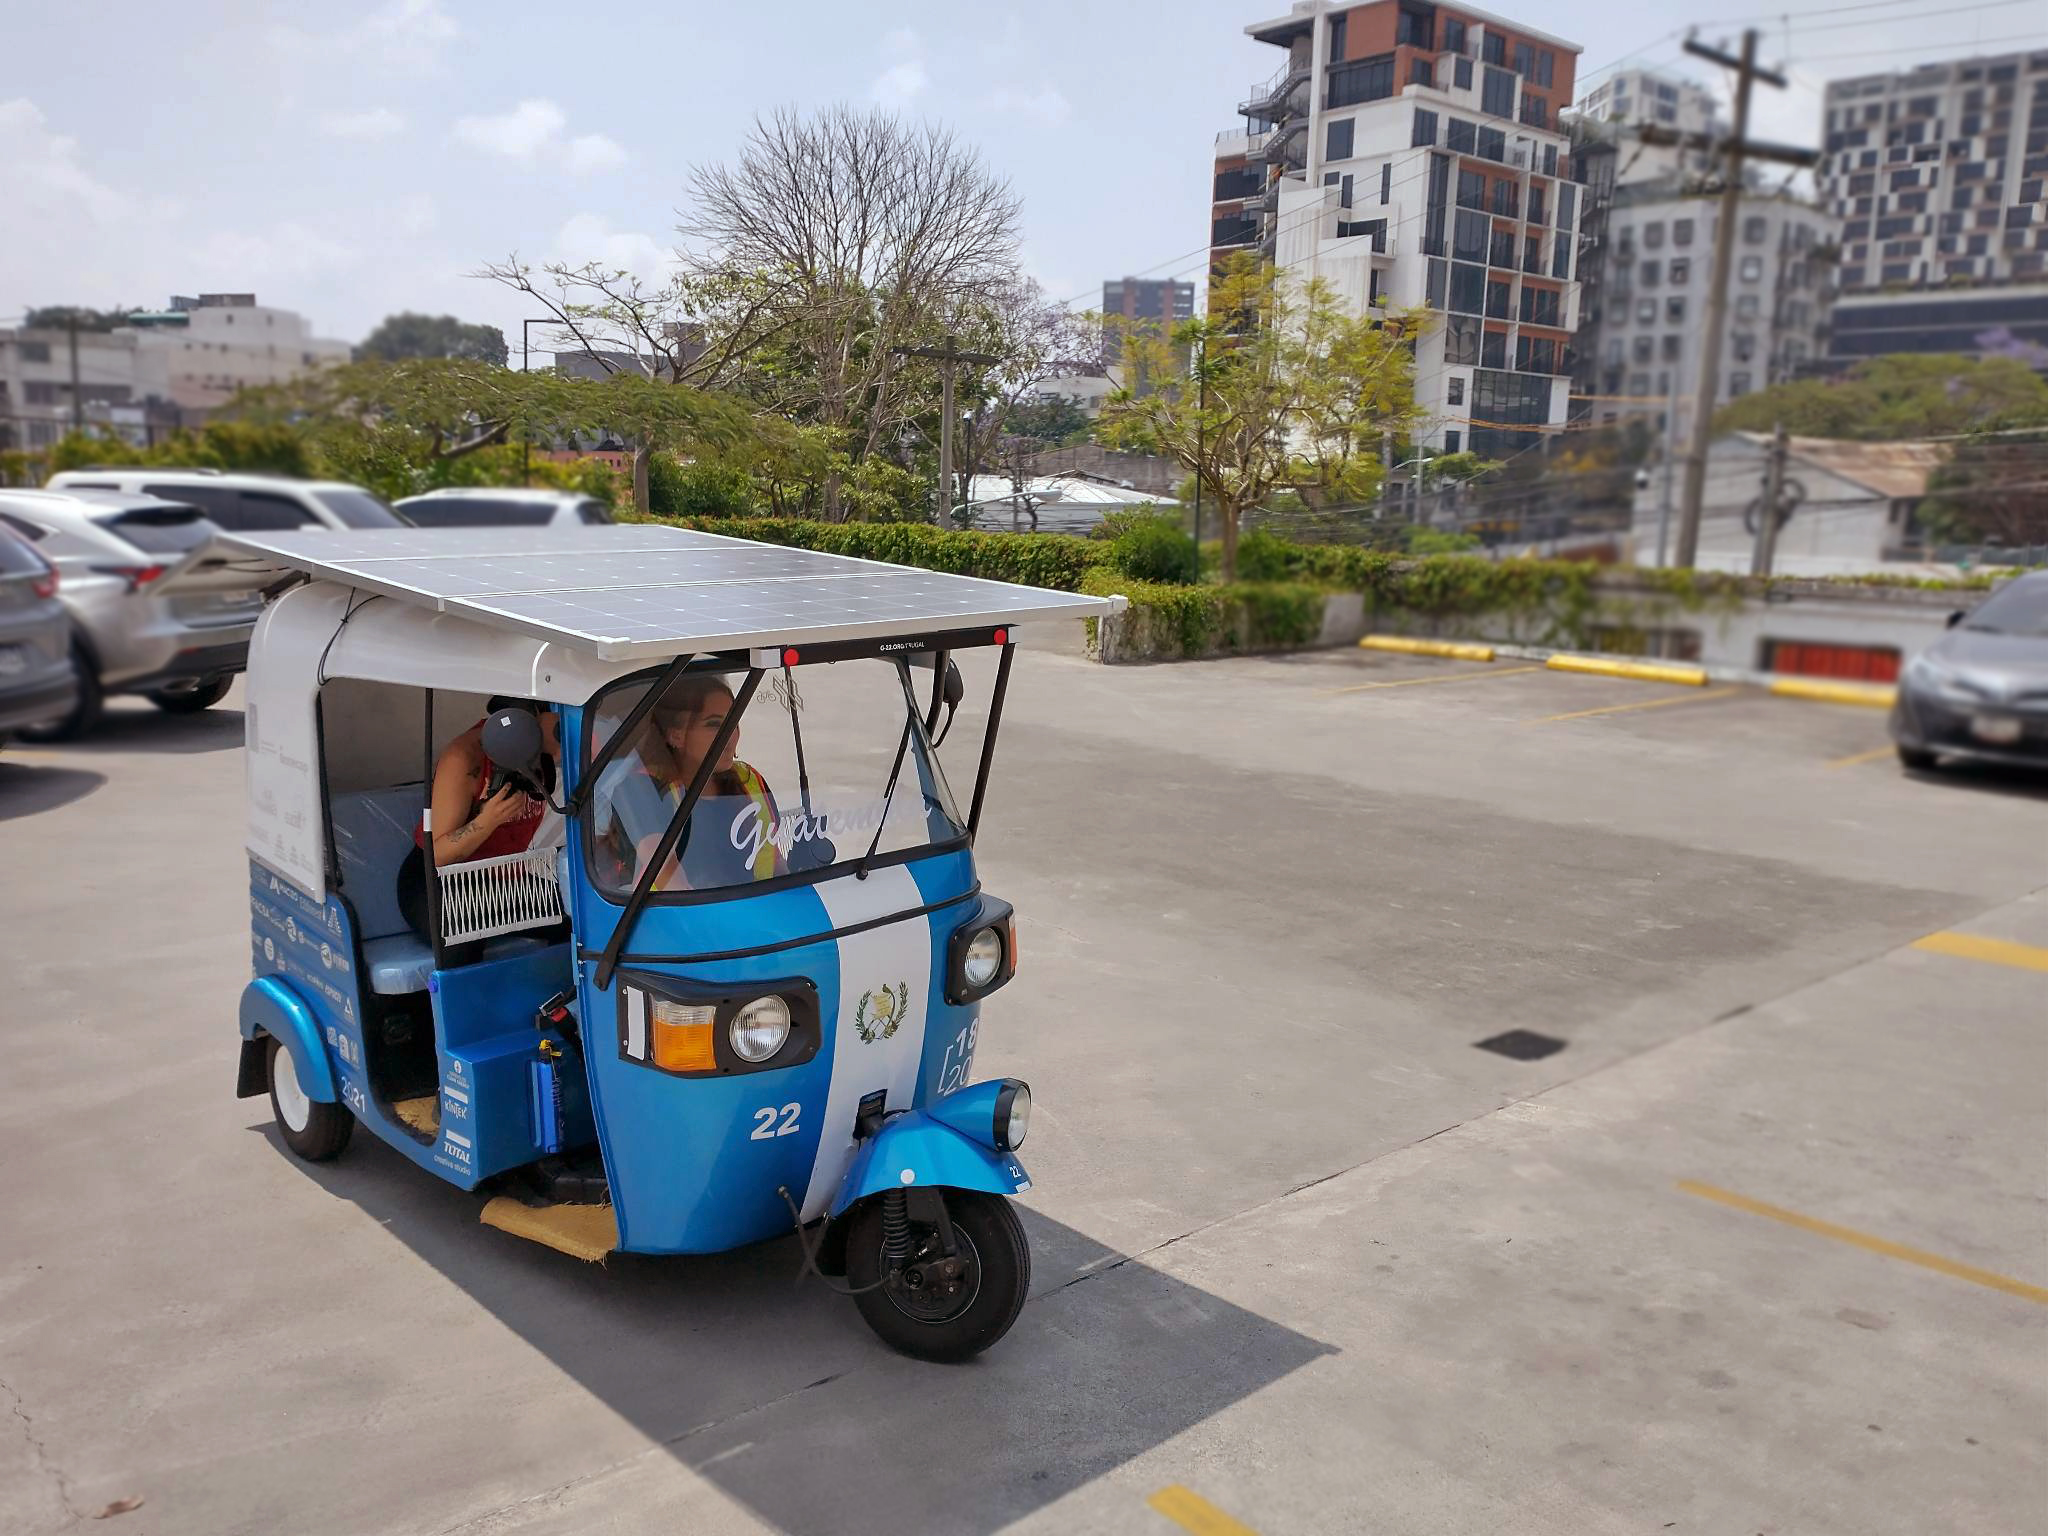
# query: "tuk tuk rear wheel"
925,1312
314,1131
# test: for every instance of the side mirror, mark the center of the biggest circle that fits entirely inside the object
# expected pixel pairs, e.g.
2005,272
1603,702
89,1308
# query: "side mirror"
1956,618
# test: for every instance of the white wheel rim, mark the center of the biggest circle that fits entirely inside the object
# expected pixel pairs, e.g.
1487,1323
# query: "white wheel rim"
293,1107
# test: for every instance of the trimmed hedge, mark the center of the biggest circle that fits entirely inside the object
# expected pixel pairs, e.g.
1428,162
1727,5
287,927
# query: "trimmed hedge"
1030,559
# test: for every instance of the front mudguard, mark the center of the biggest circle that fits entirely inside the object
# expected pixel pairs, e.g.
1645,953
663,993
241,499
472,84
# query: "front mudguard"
270,1007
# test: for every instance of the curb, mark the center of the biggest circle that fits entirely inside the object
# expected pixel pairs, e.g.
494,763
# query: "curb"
1456,650
1641,671
1815,690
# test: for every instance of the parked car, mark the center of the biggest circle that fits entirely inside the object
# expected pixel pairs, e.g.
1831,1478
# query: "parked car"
136,627
242,503
495,507
1981,690
36,680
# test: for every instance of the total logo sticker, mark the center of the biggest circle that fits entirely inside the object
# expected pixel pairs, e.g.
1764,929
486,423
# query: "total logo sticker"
269,951
326,955
291,929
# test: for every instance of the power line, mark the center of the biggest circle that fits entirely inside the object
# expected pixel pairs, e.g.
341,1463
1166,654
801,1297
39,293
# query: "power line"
1873,53
1839,10
1954,10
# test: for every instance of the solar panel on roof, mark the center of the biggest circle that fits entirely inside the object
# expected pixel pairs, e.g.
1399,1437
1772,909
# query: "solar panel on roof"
641,590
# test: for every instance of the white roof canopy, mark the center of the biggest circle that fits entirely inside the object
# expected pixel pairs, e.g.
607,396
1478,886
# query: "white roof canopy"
645,590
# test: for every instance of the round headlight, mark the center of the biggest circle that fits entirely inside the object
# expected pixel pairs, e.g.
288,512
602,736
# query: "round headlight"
984,958
1013,1114
760,1029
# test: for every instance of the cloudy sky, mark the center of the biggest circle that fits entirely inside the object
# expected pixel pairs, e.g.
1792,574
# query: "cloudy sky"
350,158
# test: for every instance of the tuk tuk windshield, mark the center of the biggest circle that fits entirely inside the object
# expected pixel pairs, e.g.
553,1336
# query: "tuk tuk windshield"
828,763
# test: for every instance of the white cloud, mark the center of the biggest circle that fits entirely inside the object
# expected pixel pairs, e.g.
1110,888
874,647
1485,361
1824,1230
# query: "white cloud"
533,131
1047,105
42,175
593,152
377,123
519,134
289,253
591,237
899,84
411,24
406,36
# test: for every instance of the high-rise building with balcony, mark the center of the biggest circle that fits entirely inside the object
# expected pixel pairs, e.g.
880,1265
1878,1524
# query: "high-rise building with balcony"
1410,155
1135,305
1938,175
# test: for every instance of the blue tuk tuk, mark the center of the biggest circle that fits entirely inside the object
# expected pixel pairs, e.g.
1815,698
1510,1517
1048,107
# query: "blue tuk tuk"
724,980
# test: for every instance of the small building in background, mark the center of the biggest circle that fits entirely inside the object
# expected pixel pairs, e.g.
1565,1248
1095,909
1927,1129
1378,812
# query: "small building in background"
1854,514
1631,100
124,387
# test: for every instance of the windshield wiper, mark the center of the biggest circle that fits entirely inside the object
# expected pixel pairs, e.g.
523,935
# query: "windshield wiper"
860,870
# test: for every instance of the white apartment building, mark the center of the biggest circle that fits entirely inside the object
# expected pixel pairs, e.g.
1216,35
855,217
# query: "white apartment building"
1410,155
1653,296
1938,174
218,343
1633,99
123,386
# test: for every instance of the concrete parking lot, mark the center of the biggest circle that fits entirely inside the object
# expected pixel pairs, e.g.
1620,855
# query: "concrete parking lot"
1742,1229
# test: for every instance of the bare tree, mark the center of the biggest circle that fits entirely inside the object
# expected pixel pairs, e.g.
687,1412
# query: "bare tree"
864,231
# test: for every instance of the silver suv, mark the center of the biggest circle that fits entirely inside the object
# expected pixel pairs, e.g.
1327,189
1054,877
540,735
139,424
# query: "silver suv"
35,639
243,503
502,507
150,613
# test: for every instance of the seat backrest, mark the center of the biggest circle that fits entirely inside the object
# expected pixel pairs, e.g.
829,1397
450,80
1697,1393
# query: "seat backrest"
372,835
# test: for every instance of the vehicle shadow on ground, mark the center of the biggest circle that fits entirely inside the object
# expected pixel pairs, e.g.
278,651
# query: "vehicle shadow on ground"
1985,779
153,730
780,1397
27,787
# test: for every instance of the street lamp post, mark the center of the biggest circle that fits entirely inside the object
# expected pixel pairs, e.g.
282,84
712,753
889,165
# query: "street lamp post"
526,366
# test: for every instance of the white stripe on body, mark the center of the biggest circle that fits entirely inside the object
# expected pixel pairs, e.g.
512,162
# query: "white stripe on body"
896,956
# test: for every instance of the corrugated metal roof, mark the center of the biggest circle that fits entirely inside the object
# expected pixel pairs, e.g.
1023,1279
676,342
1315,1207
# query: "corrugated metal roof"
1892,470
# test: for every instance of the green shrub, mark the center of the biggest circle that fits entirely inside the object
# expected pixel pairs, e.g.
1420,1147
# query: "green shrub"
1053,560
1151,547
701,488
1264,556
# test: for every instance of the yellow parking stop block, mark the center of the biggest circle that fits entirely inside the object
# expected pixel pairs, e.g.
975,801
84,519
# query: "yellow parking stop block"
1820,691
1640,671
1456,650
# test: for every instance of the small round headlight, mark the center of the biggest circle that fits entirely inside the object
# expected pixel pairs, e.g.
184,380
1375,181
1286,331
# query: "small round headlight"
760,1029
1013,1114
984,958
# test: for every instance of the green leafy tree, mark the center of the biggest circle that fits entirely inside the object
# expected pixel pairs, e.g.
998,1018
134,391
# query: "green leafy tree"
1993,490
1285,390
58,317
408,335
1897,398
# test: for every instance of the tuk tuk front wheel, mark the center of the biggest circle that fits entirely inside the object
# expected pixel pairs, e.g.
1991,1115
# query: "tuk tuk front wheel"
316,1132
931,1306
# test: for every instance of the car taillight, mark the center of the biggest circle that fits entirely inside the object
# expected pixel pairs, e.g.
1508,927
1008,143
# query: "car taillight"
46,584
137,576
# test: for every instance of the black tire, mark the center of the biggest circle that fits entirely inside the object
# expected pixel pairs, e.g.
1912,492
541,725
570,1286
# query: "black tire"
191,698
85,713
990,1295
325,1128
1919,759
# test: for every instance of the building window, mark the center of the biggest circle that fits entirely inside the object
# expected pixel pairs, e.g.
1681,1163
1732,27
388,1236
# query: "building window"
1649,272
1468,236
1550,159
1670,347
1468,288
1754,230
1454,35
1535,203
1493,349
1497,93
1493,48
1747,306
1646,311
1386,182
1493,144
1454,392
1338,137
1425,129
1615,352
1745,346
1471,189
1525,59
1366,80
1501,249
1738,385
1567,206
1643,349
1461,339
1421,72
1681,231
1653,236
1681,271
1338,27
1461,74
1461,136
1540,306
1499,298
1452,439
1752,269
1535,111
1674,309
1412,29
1506,199
34,351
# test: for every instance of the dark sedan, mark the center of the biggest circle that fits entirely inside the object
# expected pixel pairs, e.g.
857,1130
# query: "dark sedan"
1981,690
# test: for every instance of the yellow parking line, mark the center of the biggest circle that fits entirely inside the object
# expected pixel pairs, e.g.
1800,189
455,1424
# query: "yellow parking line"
1191,1512
1862,757
1864,1240
1970,946
1414,682
1616,709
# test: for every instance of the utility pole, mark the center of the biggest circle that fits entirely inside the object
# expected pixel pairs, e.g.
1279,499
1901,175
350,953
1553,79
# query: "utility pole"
77,396
947,357
1670,455
526,366
1735,150
1767,513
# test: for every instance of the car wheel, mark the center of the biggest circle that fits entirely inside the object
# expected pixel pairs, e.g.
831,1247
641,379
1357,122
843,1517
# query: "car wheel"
190,698
316,1132
85,712
922,1309
1917,758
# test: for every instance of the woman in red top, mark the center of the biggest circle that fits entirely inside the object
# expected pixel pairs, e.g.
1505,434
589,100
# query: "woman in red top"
476,827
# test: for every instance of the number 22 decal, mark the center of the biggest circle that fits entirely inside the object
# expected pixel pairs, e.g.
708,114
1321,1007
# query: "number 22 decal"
765,1128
